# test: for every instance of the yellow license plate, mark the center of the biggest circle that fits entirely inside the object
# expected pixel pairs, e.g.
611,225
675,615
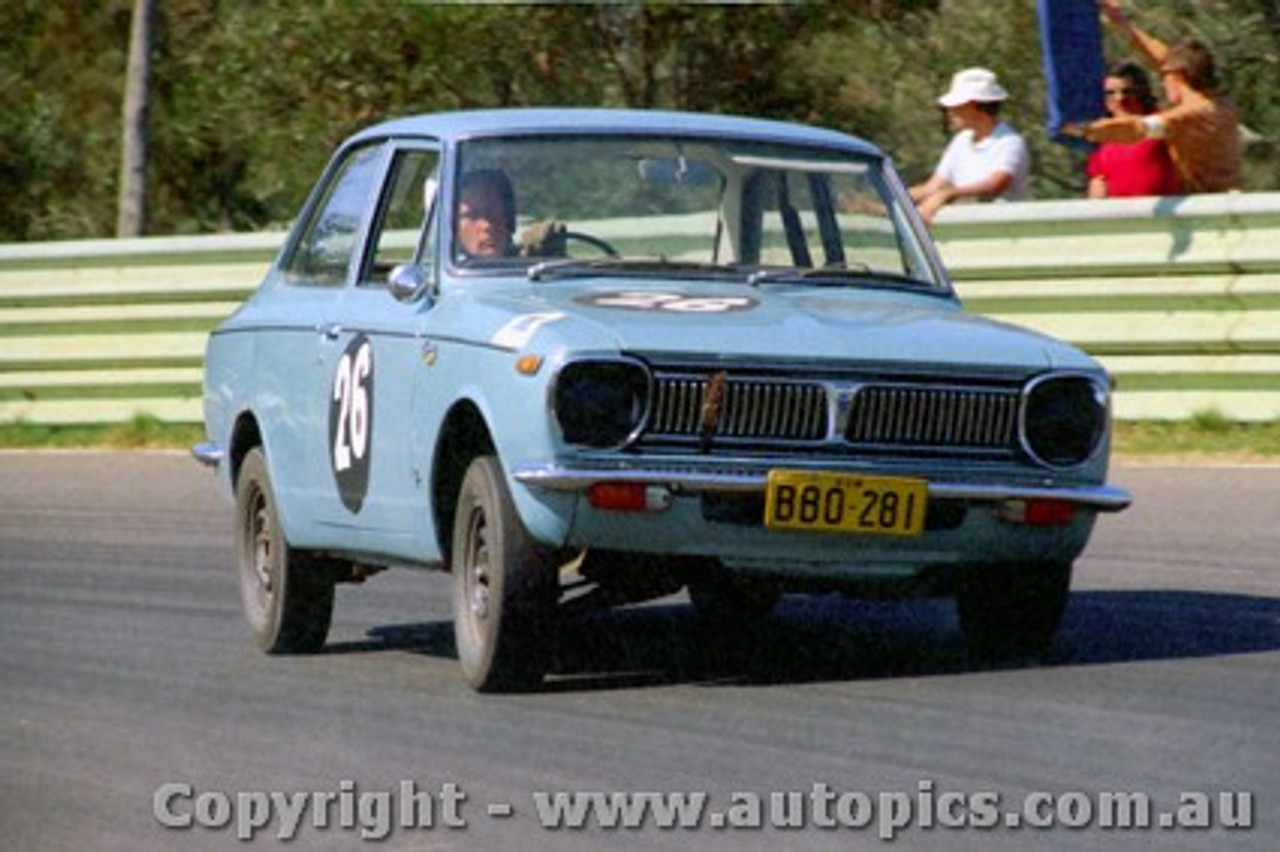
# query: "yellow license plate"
815,501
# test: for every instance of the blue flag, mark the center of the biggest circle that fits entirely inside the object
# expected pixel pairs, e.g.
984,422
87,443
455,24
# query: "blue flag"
1074,67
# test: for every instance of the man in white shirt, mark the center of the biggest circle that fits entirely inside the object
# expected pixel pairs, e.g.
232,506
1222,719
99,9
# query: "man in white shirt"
987,160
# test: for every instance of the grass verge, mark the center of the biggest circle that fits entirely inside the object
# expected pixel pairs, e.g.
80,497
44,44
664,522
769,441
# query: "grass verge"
137,434
1207,436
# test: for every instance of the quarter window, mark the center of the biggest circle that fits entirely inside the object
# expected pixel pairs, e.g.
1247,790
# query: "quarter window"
323,254
406,215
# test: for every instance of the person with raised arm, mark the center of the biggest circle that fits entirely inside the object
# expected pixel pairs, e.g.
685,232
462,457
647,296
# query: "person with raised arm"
1200,125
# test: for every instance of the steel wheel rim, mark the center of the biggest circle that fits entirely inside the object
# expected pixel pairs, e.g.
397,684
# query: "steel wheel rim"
478,587
260,550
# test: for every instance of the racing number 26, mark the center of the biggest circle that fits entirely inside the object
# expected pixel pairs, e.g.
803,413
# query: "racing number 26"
351,396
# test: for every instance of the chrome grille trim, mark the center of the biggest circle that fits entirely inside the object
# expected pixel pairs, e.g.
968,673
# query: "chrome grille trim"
941,417
837,413
753,408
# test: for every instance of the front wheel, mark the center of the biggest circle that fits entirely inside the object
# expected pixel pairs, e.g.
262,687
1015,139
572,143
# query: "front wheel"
505,587
1009,611
288,604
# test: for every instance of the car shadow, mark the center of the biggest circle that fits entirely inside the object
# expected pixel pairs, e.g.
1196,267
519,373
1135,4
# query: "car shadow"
832,639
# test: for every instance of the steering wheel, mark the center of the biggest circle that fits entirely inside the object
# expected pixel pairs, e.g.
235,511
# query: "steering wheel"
594,242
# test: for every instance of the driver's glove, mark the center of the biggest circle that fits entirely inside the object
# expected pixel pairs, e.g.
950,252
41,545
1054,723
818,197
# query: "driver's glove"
543,239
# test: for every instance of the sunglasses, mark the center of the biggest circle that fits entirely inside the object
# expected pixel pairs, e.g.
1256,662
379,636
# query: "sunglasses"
1119,93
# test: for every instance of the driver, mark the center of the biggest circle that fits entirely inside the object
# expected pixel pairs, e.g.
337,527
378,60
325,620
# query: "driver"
486,215
487,220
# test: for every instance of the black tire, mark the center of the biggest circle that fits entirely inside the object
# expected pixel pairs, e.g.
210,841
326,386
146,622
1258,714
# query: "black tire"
288,607
1010,611
505,587
723,600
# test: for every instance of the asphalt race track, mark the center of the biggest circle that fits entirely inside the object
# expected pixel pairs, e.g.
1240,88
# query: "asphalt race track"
135,714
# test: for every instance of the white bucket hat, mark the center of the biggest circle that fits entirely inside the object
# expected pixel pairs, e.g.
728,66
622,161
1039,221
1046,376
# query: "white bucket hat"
973,84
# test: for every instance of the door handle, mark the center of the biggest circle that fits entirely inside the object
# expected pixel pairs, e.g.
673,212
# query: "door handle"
331,331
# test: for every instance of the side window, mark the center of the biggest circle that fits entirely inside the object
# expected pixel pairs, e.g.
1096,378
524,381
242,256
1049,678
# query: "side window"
405,216
323,254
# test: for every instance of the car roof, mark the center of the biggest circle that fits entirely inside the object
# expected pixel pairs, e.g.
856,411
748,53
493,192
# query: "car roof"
469,124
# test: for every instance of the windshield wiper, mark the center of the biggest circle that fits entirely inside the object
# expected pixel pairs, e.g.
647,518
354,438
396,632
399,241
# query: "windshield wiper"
833,275
569,267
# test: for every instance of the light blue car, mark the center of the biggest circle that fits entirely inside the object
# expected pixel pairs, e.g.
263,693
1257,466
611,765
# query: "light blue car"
590,357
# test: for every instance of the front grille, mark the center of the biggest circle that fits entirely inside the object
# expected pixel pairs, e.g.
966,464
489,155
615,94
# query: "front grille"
922,416
840,413
751,408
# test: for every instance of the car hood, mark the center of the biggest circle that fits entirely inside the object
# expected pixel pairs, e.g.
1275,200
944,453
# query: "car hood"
772,322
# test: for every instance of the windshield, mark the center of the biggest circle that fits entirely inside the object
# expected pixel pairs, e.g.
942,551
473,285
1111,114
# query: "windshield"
694,207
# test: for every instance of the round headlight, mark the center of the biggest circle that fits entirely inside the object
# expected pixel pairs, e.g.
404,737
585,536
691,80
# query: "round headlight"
601,403
1064,418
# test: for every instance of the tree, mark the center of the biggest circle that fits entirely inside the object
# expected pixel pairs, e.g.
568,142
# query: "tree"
132,218
249,97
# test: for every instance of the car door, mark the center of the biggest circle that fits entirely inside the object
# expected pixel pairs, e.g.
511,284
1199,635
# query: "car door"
377,352
300,342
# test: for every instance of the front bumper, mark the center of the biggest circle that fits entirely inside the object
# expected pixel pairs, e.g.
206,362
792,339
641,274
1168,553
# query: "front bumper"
717,511
208,454
1100,498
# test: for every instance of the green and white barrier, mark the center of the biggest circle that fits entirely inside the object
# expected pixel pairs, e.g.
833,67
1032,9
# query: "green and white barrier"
1178,297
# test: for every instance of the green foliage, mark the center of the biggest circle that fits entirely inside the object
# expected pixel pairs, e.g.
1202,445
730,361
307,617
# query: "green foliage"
882,79
1208,435
250,97
1211,422
143,432
61,79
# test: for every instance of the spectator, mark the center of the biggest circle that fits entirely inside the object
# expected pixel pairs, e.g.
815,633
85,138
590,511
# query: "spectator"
1200,126
987,159
1142,168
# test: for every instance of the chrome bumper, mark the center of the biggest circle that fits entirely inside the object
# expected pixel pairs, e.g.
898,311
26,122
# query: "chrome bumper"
1102,498
208,454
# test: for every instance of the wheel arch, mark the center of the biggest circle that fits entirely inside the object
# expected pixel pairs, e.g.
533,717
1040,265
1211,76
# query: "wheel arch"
245,435
464,435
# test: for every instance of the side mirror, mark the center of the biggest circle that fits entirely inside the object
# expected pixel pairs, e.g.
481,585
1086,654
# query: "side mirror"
407,281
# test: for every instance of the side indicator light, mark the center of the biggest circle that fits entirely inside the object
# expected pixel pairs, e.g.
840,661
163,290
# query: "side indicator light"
629,497
1038,512
528,365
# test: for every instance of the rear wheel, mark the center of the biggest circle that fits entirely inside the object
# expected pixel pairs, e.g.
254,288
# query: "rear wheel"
505,587
288,607
1012,610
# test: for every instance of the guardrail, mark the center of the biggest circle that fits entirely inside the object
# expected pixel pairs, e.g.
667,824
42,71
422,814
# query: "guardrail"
101,331
1178,297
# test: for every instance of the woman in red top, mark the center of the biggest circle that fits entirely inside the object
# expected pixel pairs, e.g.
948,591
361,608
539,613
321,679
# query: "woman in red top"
1118,170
